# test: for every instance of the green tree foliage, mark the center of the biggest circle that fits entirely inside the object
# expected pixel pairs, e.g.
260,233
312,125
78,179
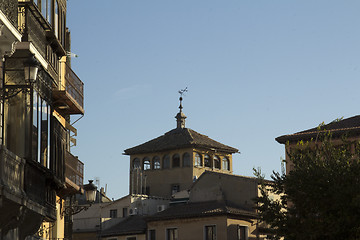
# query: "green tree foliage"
320,197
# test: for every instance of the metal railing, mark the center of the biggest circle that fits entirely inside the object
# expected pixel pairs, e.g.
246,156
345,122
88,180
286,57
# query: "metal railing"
74,86
74,169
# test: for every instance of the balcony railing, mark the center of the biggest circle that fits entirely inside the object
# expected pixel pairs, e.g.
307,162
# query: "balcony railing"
74,169
11,171
69,97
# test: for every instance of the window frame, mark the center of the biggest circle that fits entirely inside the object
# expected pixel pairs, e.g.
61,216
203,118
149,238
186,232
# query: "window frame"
156,160
134,163
113,213
214,232
217,162
207,159
186,162
146,164
166,161
176,159
227,160
238,235
176,232
150,237
198,157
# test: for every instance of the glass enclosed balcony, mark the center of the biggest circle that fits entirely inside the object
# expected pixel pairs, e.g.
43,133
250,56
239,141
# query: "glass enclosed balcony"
74,171
69,95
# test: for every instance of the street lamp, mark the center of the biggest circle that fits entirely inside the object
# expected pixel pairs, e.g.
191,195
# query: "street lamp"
90,195
90,192
31,67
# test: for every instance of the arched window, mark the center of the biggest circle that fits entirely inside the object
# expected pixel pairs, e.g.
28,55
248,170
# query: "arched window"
207,161
136,163
217,163
198,159
156,161
225,164
186,160
176,160
146,163
166,162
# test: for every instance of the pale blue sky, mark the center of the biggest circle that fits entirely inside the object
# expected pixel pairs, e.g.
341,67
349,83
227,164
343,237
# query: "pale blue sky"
255,70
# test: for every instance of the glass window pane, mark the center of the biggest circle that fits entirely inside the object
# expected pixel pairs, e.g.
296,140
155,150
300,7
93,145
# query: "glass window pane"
207,161
216,162
156,162
35,127
44,133
49,11
176,160
198,160
166,162
186,160
136,163
56,19
147,165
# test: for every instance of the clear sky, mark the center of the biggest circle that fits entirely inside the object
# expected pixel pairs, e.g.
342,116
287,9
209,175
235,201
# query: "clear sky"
255,70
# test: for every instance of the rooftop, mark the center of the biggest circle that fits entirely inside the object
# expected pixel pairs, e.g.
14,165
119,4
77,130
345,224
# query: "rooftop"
180,138
338,128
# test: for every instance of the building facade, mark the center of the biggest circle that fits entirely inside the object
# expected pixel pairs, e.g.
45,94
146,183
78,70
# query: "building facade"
180,156
39,94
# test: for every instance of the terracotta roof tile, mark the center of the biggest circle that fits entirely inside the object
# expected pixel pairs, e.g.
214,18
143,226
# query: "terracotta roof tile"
131,225
346,126
179,138
201,209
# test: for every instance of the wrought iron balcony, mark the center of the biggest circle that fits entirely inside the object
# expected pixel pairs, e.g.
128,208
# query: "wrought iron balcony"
74,172
69,95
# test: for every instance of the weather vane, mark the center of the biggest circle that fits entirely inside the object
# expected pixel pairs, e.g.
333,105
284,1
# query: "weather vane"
182,91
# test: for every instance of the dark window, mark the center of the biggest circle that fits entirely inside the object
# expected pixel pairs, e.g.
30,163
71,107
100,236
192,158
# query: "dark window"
186,160
198,159
176,161
125,212
210,232
207,161
156,161
175,188
113,213
136,163
146,164
166,162
152,235
242,233
217,164
171,234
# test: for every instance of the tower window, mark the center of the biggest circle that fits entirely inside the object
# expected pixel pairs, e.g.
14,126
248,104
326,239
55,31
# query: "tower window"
146,164
186,160
198,159
225,164
207,161
136,163
176,161
156,161
166,162
217,164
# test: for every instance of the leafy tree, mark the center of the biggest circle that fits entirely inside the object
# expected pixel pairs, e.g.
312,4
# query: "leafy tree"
320,197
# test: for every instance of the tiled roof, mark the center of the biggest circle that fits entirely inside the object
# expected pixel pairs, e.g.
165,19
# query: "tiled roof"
202,209
179,138
349,126
131,225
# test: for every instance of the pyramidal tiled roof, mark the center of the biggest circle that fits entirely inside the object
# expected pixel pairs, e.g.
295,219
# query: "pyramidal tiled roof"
337,128
179,138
